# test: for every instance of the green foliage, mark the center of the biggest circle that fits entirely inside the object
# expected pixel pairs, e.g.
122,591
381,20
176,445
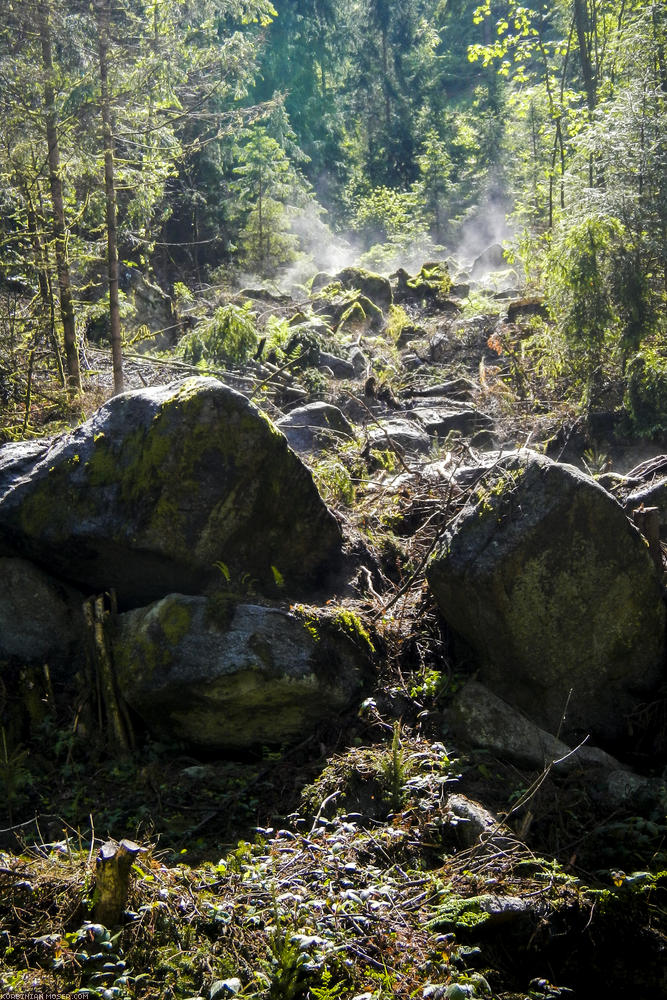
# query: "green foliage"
278,335
433,186
395,770
646,393
580,294
397,321
15,776
385,214
269,188
334,482
602,298
229,337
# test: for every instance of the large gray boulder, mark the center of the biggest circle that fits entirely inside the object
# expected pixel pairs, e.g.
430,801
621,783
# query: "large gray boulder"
160,491
41,620
555,592
217,675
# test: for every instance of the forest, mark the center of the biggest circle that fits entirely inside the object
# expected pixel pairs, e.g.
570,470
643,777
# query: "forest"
195,144
333,499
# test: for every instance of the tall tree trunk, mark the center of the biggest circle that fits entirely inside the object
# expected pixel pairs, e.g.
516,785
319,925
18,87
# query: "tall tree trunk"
582,25
58,204
44,280
102,12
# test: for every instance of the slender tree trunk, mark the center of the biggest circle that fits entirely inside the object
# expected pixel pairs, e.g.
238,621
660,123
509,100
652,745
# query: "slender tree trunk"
583,29
102,12
43,278
58,204
48,272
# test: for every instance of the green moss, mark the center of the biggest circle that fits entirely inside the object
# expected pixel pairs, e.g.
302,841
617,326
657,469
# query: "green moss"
102,467
137,659
175,620
310,623
352,318
457,914
350,623
151,645
432,282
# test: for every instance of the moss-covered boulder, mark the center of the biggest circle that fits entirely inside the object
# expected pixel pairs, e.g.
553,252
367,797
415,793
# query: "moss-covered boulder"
222,676
347,312
372,286
555,592
432,282
164,489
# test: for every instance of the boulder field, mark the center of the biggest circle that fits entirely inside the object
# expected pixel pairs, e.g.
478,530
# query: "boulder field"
200,515
187,503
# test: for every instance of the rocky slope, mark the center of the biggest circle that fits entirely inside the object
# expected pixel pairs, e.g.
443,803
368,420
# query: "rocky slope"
337,569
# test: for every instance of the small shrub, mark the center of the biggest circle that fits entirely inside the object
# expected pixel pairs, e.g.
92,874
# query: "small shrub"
229,336
335,483
398,320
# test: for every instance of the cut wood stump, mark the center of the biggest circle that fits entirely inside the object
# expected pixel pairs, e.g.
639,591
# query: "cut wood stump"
113,867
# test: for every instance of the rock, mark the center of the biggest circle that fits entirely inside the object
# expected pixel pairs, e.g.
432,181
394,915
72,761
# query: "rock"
359,362
317,425
41,620
373,286
486,721
491,259
225,988
265,295
555,592
461,335
622,789
473,822
223,676
396,432
320,281
433,282
411,361
158,487
440,422
461,388
352,316
339,367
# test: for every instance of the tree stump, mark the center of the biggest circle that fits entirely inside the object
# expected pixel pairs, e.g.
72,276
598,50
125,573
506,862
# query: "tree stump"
113,866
